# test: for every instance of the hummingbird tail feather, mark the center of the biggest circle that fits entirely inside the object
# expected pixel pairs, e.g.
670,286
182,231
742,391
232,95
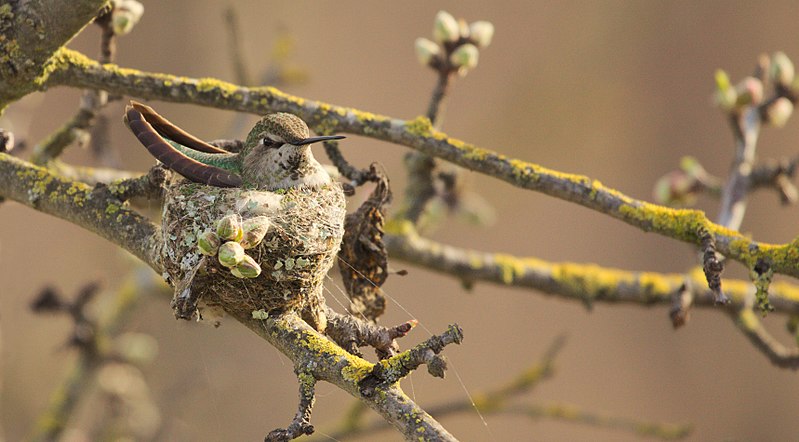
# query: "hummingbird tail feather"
174,159
166,129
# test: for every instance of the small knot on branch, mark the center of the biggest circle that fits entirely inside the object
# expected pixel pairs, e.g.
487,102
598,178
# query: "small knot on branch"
712,266
681,302
351,332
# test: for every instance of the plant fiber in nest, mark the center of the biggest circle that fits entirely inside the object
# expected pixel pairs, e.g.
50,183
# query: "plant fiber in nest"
299,248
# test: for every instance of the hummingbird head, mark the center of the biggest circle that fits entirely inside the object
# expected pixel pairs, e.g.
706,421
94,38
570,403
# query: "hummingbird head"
277,130
277,152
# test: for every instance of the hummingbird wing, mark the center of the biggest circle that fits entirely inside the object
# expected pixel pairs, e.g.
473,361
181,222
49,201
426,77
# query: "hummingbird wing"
166,129
179,160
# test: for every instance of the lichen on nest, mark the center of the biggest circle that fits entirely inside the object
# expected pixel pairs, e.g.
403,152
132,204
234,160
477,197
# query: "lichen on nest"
307,225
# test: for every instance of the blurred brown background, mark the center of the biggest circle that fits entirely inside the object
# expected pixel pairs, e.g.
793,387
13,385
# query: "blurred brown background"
618,91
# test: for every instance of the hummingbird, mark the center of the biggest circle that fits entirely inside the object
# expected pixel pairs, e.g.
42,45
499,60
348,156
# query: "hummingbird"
275,155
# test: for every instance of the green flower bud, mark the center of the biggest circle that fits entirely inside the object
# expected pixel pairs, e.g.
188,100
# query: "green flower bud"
231,254
208,243
463,28
725,96
247,268
778,112
481,33
426,51
691,166
749,91
445,28
125,15
229,228
254,231
675,188
465,56
782,70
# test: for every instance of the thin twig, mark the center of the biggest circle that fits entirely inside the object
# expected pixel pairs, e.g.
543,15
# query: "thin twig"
497,401
752,328
91,103
746,128
420,189
234,46
72,390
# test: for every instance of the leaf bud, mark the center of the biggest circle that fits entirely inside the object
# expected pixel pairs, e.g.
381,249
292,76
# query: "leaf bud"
229,228
725,96
125,15
208,243
465,56
782,70
675,188
749,91
481,33
247,268
426,51
445,28
254,231
231,254
778,112
463,29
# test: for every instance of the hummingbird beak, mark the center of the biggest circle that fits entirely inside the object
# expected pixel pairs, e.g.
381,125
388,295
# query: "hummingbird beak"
312,140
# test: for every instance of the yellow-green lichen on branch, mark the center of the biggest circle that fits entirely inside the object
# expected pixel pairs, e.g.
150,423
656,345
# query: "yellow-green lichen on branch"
208,84
682,224
356,368
400,227
510,267
419,127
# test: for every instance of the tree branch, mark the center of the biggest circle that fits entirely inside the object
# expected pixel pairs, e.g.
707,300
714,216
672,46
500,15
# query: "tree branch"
95,209
66,397
587,283
498,401
33,31
98,210
74,69
779,355
326,361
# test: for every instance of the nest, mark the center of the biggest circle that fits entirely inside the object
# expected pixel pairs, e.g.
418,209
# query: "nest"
295,255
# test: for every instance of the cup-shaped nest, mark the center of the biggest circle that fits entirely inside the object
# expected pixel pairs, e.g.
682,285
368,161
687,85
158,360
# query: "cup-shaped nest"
300,246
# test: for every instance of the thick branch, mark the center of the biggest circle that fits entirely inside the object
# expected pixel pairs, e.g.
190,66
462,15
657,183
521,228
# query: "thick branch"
74,69
95,209
33,31
326,361
587,283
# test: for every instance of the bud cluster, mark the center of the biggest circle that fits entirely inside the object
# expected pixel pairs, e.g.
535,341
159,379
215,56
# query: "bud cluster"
776,70
456,44
231,240
680,187
125,15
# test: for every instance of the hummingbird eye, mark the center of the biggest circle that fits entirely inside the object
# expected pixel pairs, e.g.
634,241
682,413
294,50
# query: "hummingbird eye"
270,144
